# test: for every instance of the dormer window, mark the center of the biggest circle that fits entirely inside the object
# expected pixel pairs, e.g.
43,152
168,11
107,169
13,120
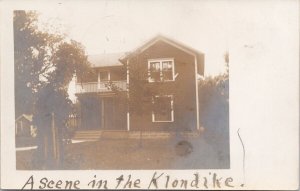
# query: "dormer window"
160,70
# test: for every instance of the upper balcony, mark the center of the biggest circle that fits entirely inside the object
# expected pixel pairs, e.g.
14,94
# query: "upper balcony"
101,87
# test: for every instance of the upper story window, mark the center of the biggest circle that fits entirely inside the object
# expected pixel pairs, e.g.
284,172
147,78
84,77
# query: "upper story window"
104,76
160,70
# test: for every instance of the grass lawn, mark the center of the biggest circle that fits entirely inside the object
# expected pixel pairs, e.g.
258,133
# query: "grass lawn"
171,153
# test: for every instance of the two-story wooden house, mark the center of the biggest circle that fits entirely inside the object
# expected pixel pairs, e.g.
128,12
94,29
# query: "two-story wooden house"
170,71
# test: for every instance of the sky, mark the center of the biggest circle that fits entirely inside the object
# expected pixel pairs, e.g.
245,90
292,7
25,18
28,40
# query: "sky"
260,35
257,34
119,26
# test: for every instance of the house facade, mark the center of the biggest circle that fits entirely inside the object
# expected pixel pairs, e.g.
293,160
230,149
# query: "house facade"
152,88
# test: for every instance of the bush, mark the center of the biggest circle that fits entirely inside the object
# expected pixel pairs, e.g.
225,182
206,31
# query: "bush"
214,112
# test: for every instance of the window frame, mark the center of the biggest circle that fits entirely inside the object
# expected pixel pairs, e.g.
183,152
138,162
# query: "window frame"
161,60
100,82
172,109
103,71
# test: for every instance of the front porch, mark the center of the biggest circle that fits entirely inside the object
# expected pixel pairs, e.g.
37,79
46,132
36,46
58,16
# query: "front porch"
100,87
99,112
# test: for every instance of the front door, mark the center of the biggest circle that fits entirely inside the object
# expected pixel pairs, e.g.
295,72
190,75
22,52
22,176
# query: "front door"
90,113
113,114
107,113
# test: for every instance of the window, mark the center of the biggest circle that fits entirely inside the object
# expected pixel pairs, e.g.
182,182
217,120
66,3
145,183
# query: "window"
167,70
104,76
160,70
163,109
154,73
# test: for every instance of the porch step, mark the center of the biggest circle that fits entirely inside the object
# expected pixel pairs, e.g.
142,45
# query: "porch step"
106,134
87,135
149,135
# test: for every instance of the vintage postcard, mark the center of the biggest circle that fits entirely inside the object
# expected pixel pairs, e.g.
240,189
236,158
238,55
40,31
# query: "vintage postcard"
149,94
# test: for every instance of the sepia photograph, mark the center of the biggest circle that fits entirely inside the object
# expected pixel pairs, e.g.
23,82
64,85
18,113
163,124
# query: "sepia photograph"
147,94
119,90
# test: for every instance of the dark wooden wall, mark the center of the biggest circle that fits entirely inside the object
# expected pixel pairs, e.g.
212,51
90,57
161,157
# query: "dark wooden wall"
183,90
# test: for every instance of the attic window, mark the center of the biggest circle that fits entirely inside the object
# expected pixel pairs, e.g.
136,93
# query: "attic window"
160,70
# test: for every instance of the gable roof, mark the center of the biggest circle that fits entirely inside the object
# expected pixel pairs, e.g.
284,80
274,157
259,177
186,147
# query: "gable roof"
106,59
168,40
118,59
24,116
199,55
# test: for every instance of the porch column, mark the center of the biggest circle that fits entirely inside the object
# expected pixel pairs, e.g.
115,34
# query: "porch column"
21,123
108,73
98,84
16,127
197,101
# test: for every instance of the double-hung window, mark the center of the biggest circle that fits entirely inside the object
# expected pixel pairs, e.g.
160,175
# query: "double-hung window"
163,110
160,70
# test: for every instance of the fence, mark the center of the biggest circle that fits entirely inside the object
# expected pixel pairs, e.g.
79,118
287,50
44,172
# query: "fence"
73,121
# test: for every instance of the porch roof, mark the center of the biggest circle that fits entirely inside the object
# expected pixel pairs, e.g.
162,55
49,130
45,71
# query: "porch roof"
105,59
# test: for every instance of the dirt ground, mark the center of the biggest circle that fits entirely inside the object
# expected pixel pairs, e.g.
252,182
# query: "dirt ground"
25,141
194,153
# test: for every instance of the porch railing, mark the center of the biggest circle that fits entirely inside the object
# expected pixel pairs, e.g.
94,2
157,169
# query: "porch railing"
96,87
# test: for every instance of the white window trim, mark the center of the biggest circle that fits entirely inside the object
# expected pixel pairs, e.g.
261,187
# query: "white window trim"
161,60
108,74
172,111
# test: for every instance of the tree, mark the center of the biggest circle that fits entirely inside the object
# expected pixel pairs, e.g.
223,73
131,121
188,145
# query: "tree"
45,63
139,98
32,57
214,110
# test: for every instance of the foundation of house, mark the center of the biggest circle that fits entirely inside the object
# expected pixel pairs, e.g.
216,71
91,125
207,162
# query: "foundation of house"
94,135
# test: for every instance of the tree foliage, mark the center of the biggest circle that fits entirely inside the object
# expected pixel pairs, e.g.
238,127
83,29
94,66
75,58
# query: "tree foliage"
42,58
45,64
139,99
214,110
31,52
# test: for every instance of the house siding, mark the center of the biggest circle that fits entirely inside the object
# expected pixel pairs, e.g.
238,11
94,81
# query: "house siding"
183,89
187,63
23,127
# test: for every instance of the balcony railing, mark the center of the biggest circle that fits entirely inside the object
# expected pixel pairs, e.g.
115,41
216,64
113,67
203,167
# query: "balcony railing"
95,87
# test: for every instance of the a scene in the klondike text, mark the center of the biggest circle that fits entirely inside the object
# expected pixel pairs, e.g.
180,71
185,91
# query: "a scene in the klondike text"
108,89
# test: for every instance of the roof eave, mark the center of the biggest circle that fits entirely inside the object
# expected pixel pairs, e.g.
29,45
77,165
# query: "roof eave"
155,39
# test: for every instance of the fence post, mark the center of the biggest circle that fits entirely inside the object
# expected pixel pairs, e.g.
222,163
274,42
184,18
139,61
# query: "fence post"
45,147
54,138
